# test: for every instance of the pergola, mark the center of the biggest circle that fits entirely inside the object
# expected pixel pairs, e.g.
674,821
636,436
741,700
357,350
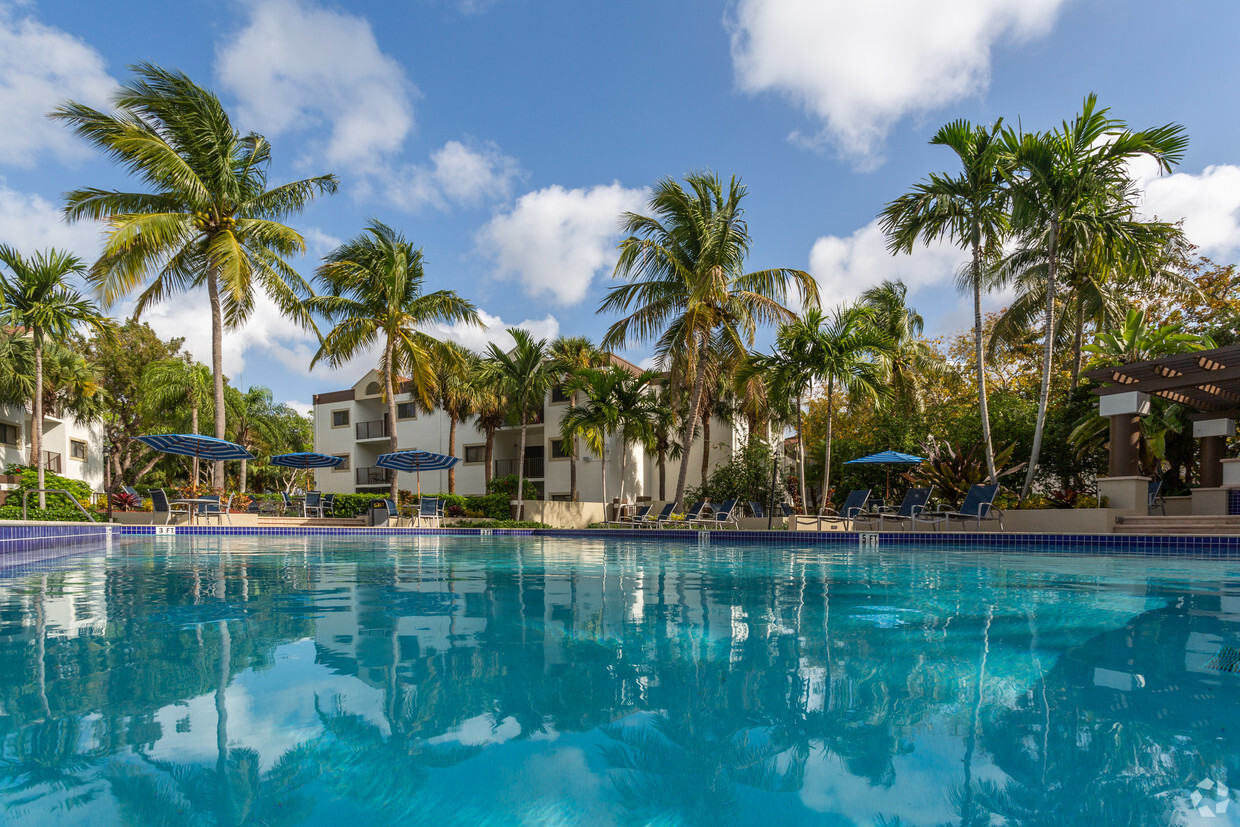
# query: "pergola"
1207,381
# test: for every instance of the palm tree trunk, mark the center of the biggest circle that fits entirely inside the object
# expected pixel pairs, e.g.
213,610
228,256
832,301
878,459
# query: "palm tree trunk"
217,368
826,460
662,472
452,452
36,419
193,424
705,447
521,471
489,458
980,354
695,399
221,714
1078,344
602,462
572,460
241,487
801,451
389,388
624,457
1047,352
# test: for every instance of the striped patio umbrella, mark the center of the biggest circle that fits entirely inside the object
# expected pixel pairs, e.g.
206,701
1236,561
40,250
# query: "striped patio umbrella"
196,445
306,459
417,462
886,458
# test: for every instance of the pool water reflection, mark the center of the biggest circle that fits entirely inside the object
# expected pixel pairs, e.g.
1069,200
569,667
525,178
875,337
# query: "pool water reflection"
210,680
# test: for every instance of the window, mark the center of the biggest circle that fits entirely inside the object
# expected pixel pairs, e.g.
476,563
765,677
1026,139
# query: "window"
77,449
344,466
475,453
406,410
558,394
340,419
372,389
559,450
562,498
8,434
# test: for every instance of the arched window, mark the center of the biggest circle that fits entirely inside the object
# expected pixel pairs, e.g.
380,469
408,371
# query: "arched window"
372,389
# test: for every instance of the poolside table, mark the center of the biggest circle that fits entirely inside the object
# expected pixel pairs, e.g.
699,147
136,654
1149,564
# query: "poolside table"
194,503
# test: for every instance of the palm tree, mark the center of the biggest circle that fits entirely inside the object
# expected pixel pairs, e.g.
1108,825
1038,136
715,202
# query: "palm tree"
37,297
457,372
596,417
169,385
256,422
969,208
845,351
71,384
373,292
911,360
491,414
637,412
572,354
665,444
1072,190
688,290
526,374
209,218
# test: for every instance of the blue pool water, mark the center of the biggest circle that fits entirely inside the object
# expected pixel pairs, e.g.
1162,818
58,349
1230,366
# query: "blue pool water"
463,681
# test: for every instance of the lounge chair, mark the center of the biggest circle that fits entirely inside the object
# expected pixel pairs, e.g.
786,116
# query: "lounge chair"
854,504
328,505
312,504
161,505
755,508
978,505
657,521
724,515
913,505
788,510
633,519
428,510
664,520
1156,499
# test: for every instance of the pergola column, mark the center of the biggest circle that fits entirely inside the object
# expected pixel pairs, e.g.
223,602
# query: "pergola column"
1213,434
1125,411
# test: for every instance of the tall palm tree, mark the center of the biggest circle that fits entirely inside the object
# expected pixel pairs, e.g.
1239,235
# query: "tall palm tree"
491,414
457,372
373,291
688,290
665,445
170,385
527,375
596,417
911,360
37,297
208,219
572,354
637,412
256,423
970,208
1072,190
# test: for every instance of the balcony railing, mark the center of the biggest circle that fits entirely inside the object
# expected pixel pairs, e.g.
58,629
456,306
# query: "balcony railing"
374,475
533,467
373,429
51,462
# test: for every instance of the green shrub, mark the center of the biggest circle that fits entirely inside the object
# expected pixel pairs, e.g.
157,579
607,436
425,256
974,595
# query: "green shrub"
353,505
507,486
59,507
500,524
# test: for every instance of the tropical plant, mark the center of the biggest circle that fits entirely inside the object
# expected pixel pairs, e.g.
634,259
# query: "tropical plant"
374,293
526,374
491,414
572,354
209,218
911,361
596,417
71,384
1136,341
970,209
170,386
688,290
257,422
637,413
457,389
1072,191
37,297
954,469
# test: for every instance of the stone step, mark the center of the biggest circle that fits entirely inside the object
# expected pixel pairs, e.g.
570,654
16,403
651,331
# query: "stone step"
321,522
1177,532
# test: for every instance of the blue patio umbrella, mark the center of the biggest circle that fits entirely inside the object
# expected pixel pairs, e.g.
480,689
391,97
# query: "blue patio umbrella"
306,459
196,445
417,462
886,458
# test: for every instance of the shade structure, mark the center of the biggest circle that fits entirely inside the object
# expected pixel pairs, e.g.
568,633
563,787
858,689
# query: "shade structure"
886,458
306,459
196,445
417,462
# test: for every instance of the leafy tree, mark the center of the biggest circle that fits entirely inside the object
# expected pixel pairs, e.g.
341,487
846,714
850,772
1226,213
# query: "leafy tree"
910,361
637,412
458,389
688,290
374,293
208,218
526,375
171,386
596,417
37,297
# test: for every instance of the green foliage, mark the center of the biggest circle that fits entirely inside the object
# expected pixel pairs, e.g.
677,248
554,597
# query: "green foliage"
746,476
953,470
498,523
352,505
507,485
59,507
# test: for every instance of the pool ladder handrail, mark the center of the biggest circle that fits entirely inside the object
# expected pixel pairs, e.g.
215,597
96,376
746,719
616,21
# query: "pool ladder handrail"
72,498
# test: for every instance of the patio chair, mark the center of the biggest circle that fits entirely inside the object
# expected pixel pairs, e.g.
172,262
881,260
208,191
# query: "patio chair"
161,505
392,510
1156,499
978,505
854,504
328,506
658,520
913,505
220,510
755,508
428,509
787,510
133,492
665,520
632,520
313,503
287,503
724,515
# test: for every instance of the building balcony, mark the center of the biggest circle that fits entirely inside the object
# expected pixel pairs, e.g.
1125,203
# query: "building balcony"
374,429
533,467
373,475
535,419
51,462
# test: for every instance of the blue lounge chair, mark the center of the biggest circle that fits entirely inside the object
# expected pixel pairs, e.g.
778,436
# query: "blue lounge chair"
978,505
788,510
313,504
755,508
659,520
287,503
1156,499
854,504
632,520
911,508
724,515
219,510
328,505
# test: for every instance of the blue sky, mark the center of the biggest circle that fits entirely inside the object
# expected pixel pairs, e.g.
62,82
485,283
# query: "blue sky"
506,136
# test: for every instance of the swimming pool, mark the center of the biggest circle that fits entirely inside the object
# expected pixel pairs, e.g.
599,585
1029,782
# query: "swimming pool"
534,680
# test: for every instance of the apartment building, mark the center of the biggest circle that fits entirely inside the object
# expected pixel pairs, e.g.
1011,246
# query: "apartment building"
353,424
71,448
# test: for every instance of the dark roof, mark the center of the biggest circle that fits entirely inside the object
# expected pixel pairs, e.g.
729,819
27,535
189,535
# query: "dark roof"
333,396
1207,380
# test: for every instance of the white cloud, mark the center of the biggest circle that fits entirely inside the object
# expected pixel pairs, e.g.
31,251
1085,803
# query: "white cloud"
495,330
30,222
303,408
297,65
845,267
860,67
1208,203
457,174
320,243
40,67
555,240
